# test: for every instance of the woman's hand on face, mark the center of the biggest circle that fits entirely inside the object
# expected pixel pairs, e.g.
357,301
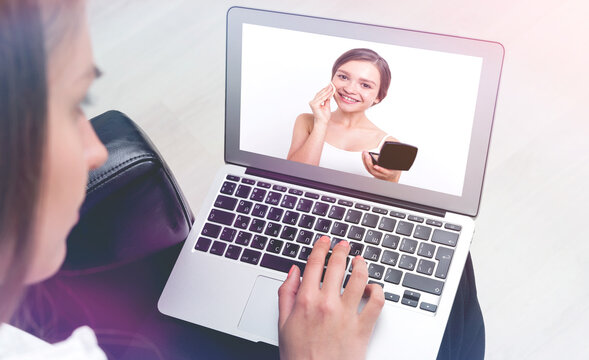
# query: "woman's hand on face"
320,105
378,171
320,322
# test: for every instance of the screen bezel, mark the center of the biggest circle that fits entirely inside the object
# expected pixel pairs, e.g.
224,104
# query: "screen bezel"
491,52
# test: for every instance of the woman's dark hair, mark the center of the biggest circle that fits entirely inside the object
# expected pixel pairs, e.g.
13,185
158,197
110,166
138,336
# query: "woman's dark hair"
371,57
23,127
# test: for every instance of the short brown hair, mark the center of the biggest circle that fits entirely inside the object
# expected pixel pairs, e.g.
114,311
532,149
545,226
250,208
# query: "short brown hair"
371,57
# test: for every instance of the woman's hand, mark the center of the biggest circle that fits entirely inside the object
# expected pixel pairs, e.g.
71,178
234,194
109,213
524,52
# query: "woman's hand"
320,105
319,322
378,171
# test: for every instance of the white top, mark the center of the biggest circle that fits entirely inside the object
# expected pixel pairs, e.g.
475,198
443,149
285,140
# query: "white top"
17,344
347,161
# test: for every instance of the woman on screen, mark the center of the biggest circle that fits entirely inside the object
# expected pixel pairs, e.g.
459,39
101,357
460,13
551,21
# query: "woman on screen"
342,139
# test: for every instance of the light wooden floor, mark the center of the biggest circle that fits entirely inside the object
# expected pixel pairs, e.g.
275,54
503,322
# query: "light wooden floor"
164,66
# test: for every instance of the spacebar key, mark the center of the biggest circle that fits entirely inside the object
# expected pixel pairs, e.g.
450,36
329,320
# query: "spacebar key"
281,264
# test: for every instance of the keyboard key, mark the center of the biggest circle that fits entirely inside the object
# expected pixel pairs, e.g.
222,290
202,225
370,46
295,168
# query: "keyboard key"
288,233
370,220
273,198
372,253
290,217
259,210
304,237
353,216
393,276
422,232
291,250
426,267
221,217
211,230
304,205
305,252
275,214
274,246
243,238
311,195
444,256
257,225
232,177
295,192
408,246
426,250
307,221
250,256
248,181
356,248
376,282
407,262
428,307
373,237
389,257
243,191
218,248
258,194
356,233
244,207
242,222
423,283
279,188
453,227
336,212
233,252
379,210
391,241
328,199
288,202
415,218
387,224
228,234
405,228
323,225
263,184
259,242
228,188
375,271
280,264
345,202
444,237
397,214
362,207
203,244
433,222
391,297
410,298
339,229
320,209
273,229
225,202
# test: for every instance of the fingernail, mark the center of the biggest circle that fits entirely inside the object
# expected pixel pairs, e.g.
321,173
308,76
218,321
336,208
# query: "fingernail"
344,243
324,239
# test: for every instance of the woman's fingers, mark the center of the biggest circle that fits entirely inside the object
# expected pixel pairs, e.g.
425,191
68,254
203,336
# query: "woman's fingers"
315,263
336,268
287,294
357,283
374,305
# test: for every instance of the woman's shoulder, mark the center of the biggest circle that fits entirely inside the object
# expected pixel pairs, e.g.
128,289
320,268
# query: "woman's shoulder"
305,120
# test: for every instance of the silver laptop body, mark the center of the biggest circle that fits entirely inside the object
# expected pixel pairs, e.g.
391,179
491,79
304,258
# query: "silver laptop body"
416,233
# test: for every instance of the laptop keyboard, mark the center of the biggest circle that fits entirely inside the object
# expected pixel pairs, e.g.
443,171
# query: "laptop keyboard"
274,226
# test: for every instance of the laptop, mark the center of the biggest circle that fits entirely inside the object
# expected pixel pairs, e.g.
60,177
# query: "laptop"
264,212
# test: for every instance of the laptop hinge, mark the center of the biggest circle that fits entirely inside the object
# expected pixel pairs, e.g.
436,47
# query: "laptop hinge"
347,192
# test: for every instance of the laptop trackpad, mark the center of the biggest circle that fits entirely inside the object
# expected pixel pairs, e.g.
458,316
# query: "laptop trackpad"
260,315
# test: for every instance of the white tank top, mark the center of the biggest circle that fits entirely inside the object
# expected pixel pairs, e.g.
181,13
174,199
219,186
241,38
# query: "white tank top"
347,161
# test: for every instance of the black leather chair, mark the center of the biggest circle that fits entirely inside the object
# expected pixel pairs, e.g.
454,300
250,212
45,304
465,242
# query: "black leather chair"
120,254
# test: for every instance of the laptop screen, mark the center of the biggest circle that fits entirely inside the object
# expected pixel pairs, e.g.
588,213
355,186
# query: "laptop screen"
314,95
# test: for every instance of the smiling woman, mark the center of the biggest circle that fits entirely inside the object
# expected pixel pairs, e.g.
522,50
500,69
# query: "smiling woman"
343,138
